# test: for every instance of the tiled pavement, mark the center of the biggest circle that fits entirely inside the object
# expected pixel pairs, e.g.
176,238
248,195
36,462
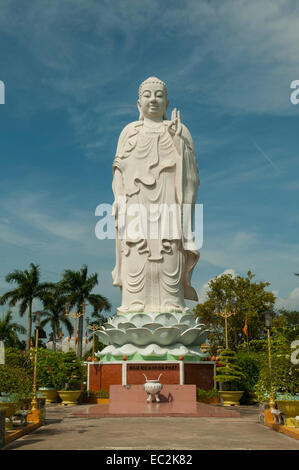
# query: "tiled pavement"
65,431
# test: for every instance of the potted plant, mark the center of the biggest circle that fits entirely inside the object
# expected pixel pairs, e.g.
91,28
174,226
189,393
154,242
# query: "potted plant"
99,397
288,404
70,394
50,394
102,396
10,402
46,379
71,375
207,396
50,374
229,373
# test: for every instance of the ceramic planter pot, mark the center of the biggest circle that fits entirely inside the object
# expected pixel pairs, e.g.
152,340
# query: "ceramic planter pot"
96,401
10,408
102,401
69,397
50,394
252,397
209,401
231,398
290,408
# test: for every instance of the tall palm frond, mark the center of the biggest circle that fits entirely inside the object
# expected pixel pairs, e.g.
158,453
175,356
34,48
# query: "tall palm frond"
28,288
54,314
9,330
78,286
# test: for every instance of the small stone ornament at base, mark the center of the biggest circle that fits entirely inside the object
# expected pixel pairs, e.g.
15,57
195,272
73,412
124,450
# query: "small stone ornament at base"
152,387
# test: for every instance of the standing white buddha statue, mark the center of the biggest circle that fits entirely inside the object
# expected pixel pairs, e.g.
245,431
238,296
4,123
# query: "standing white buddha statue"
155,166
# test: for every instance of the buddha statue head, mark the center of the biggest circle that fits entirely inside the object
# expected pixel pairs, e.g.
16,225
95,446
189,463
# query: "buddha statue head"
153,100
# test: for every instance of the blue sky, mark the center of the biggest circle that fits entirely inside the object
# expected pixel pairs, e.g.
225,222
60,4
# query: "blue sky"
72,70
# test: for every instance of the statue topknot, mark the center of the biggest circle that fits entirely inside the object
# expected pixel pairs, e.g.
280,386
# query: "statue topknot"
152,80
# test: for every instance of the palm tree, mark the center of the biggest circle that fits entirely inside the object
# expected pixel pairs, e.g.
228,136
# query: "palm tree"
28,288
9,330
78,286
54,314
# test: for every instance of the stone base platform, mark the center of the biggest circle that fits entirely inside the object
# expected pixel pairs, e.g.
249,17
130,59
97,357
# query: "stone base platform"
143,410
136,394
179,399
176,401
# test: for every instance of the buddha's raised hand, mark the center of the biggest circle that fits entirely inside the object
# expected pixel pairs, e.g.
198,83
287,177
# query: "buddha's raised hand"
175,128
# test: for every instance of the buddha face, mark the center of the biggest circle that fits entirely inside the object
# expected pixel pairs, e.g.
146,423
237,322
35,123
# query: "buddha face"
153,101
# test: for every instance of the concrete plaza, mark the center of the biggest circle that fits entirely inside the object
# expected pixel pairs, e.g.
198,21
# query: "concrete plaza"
64,431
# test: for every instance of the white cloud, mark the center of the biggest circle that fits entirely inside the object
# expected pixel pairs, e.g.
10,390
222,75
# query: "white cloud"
253,48
291,302
238,56
34,211
9,234
75,229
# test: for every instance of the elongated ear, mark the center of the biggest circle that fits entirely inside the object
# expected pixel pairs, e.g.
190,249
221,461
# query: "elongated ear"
166,107
141,117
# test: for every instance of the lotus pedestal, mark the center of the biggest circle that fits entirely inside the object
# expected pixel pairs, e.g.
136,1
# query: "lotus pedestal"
151,343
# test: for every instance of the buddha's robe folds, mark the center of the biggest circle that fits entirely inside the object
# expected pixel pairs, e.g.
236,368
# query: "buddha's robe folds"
154,258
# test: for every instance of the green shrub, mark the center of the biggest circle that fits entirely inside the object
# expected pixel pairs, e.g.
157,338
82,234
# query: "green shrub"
59,370
250,364
16,381
207,394
54,369
70,374
48,366
17,358
99,394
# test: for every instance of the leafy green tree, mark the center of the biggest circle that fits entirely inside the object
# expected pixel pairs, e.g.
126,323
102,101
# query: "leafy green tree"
28,288
9,330
78,287
249,299
54,314
286,323
284,375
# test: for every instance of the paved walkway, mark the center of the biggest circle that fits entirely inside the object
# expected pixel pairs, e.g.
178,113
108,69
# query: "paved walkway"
64,431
